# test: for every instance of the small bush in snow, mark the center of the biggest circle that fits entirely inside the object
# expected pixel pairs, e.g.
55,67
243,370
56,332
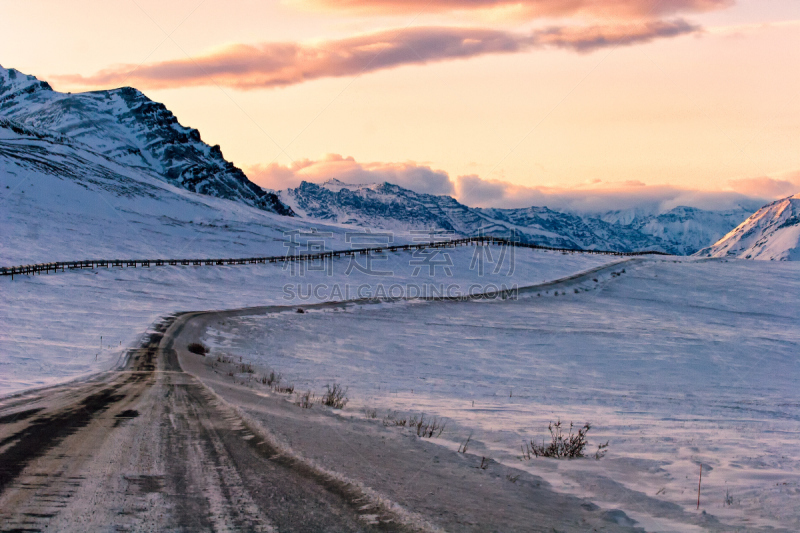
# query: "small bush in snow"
563,446
463,447
335,396
392,420
197,348
427,428
306,400
271,379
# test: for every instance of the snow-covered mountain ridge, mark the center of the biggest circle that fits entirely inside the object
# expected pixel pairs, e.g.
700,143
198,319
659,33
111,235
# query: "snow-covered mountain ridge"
682,230
771,233
125,125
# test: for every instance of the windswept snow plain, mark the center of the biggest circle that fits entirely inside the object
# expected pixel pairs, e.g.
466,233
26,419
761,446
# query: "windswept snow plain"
62,326
678,364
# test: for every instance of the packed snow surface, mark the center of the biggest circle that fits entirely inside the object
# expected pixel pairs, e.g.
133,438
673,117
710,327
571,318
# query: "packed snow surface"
675,364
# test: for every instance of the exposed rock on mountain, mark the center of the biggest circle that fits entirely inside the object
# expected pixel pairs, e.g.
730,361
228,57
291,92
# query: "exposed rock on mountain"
682,230
125,125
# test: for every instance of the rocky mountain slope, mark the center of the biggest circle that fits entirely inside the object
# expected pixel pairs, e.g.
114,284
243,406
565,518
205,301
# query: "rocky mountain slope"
125,125
771,233
60,201
681,231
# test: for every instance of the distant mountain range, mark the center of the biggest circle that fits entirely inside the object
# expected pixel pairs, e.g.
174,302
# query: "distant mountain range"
125,127
681,231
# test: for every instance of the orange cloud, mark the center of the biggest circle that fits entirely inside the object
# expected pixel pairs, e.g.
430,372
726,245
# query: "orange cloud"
268,65
525,8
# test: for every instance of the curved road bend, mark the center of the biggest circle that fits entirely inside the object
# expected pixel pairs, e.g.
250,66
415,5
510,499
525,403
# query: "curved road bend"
151,447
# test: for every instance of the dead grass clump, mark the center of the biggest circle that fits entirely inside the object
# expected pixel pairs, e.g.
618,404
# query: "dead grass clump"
601,451
197,348
392,420
306,400
246,368
271,379
335,396
562,446
427,428
285,389
463,447
370,413
224,359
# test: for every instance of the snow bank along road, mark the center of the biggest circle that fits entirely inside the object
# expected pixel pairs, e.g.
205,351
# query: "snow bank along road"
151,446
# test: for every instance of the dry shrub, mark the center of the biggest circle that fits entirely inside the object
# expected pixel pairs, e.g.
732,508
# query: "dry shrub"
306,400
563,446
392,420
335,396
463,447
427,428
197,348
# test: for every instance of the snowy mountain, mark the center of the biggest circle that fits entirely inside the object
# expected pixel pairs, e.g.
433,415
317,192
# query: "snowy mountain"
125,125
682,230
63,201
392,207
381,205
45,128
772,233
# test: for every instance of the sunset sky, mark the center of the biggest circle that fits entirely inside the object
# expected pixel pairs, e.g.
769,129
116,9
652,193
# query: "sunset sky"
497,102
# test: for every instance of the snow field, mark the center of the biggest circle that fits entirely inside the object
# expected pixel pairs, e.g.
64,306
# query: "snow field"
52,324
676,364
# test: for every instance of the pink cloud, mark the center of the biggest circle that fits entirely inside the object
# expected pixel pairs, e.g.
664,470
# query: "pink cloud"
410,175
268,65
589,38
766,187
594,196
526,8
